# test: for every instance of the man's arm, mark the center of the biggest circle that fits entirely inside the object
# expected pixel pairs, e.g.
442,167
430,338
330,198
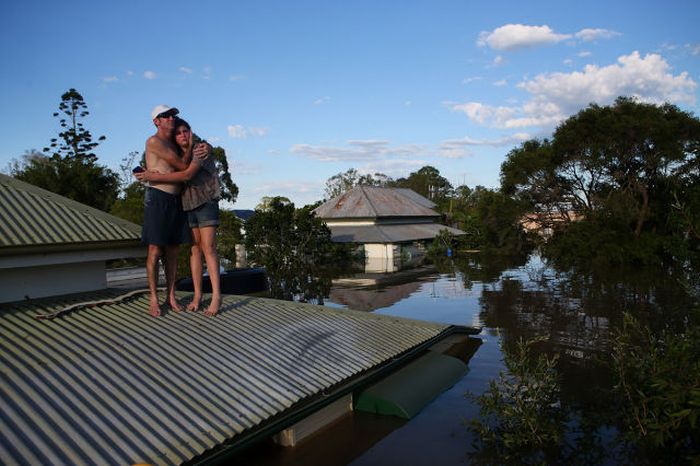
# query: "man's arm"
172,177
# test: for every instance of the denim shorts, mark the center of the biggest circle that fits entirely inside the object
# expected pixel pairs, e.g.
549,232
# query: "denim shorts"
206,215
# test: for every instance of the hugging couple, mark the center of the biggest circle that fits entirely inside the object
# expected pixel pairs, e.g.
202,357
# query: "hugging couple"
182,191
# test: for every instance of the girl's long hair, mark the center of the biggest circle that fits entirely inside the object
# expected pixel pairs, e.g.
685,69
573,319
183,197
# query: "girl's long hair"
188,150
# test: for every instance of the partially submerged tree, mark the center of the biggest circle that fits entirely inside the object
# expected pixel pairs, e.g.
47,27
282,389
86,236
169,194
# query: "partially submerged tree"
629,171
294,246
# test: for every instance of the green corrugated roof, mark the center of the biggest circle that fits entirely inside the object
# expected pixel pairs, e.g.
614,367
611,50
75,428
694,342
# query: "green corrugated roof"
108,384
36,219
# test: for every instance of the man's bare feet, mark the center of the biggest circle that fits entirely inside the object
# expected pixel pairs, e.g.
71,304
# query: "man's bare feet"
193,306
174,305
154,308
214,306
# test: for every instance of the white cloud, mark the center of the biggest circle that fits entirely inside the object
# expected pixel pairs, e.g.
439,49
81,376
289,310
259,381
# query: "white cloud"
459,148
498,61
502,141
285,188
584,54
243,132
392,168
471,79
590,34
358,150
515,36
206,72
185,70
500,83
322,100
568,62
694,48
555,96
649,78
110,79
482,113
257,131
236,77
149,74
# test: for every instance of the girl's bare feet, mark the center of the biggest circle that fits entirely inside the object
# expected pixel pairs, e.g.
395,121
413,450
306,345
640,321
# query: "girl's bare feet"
214,306
193,307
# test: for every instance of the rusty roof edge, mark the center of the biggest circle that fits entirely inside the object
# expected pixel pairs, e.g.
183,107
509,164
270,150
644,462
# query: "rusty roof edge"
316,402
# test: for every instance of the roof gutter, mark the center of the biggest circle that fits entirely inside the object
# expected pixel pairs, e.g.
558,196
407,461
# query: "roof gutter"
69,247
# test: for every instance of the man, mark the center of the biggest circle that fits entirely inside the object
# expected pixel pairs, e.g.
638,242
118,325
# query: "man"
165,223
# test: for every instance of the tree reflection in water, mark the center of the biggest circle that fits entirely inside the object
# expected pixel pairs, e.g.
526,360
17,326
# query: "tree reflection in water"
576,316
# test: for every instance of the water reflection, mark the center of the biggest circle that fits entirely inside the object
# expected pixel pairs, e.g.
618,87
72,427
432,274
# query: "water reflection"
575,312
368,292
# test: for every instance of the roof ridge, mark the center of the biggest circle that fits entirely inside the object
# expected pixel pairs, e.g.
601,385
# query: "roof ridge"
369,201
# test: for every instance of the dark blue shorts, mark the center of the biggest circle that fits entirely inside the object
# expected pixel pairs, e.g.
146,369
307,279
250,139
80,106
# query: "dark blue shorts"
206,215
164,221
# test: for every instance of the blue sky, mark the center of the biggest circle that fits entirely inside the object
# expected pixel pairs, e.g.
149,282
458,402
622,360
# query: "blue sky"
298,91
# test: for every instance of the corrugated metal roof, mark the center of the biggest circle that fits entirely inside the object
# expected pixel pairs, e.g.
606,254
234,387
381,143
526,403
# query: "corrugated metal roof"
36,218
111,385
375,202
388,233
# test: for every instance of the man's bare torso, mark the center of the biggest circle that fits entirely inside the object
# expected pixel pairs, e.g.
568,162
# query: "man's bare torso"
154,161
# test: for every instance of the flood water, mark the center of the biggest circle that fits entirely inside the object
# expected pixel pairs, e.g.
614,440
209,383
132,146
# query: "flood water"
511,299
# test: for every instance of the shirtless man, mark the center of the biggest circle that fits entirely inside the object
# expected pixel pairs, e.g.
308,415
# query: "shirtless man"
165,223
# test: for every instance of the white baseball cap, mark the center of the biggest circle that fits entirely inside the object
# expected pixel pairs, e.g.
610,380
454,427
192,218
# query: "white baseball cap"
158,109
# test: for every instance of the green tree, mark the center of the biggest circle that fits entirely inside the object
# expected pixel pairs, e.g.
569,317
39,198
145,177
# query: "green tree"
266,203
522,420
491,221
228,235
427,182
657,384
72,169
79,178
294,246
628,150
628,170
229,189
129,205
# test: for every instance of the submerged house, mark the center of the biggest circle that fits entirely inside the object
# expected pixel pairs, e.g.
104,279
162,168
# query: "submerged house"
87,376
387,222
